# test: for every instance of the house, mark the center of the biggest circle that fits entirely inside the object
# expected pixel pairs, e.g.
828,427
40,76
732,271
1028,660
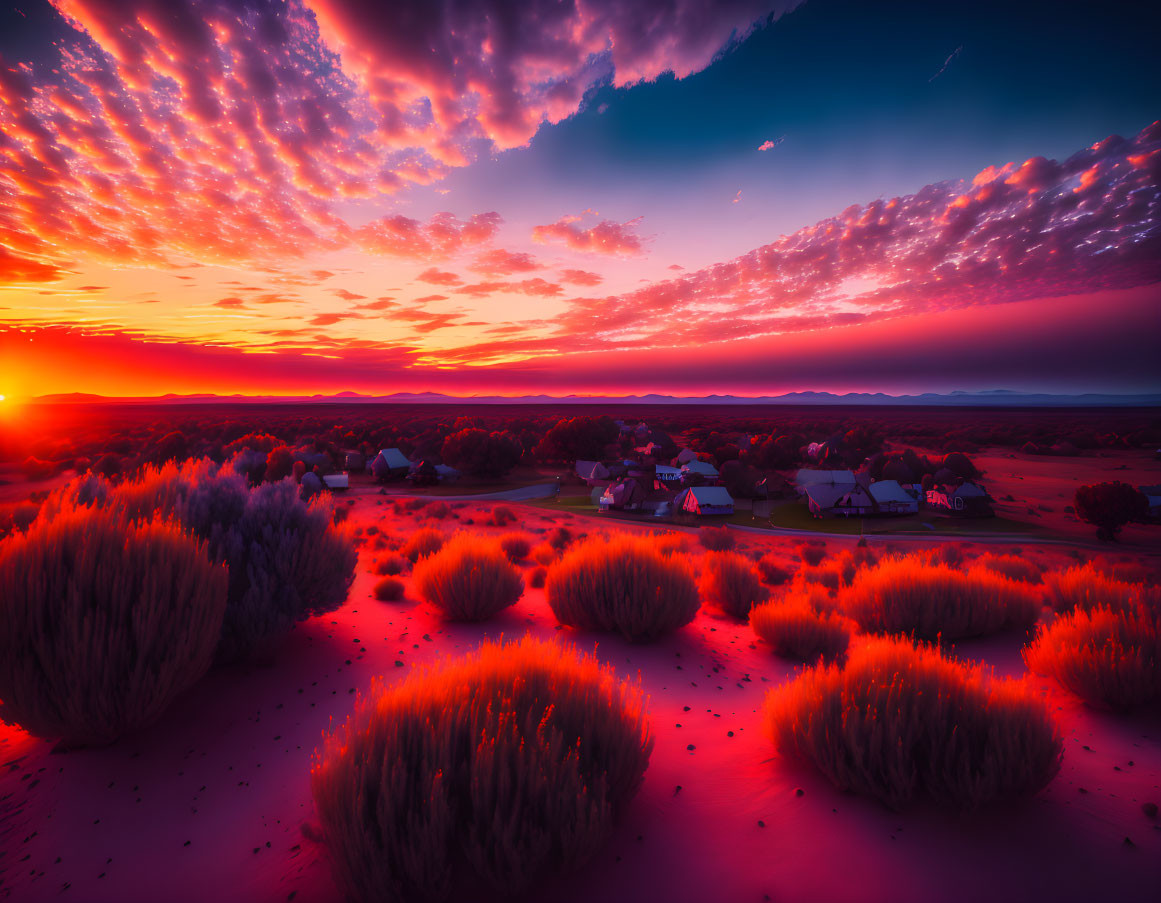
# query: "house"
627,495
390,462
807,478
839,500
591,471
891,498
334,481
704,500
707,470
667,476
966,499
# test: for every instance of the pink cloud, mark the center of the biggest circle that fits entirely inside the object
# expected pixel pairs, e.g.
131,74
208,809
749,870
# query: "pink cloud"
438,277
499,262
606,237
580,277
441,237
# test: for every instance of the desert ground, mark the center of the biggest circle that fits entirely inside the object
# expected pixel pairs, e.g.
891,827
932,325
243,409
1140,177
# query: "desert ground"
214,802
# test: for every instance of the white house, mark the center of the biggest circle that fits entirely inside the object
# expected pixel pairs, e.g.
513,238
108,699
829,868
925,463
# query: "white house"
667,474
807,478
839,500
334,481
395,459
591,471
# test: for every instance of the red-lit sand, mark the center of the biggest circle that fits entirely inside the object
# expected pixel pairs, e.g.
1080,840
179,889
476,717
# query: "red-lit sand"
213,803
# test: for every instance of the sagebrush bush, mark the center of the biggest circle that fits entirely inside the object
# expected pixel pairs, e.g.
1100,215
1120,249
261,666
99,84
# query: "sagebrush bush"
103,621
501,516
1012,567
424,541
716,539
469,579
1085,587
812,552
772,571
537,578
544,554
560,538
516,546
390,565
901,723
438,510
389,589
625,586
288,561
729,582
795,629
907,595
503,766
1110,658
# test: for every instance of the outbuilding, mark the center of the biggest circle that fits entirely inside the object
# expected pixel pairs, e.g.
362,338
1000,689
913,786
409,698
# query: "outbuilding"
704,500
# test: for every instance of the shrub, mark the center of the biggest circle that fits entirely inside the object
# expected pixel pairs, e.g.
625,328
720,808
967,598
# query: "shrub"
423,542
930,601
900,723
1011,567
716,539
1110,658
390,565
438,510
773,574
505,765
516,546
1085,587
560,538
469,579
537,578
730,582
287,560
544,554
103,621
501,516
812,552
625,586
797,631
388,590
672,543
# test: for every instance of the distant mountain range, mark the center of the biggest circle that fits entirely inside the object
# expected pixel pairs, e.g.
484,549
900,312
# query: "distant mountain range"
988,398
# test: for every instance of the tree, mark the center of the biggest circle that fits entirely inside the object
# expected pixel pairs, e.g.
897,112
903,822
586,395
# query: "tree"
481,453
578,438
1109,506
279,464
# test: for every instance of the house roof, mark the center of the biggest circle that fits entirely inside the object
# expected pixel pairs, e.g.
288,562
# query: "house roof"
394,458
590,470
663,470
828,495
702,467
711,495
807,477
889,491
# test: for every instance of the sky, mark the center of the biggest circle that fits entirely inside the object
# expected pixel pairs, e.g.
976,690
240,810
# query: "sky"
478,197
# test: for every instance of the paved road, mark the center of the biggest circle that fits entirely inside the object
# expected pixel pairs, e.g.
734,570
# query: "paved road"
518,494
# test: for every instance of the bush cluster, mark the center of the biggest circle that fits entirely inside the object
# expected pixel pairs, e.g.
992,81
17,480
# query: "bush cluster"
1109,657
626,586
907,595
103,621
389,589
423,542
716,539
797,630
469,579
516,546
729,582
503,766
901,723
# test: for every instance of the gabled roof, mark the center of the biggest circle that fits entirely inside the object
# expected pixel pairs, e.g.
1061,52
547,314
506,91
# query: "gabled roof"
889,491
828,495
711,495
806,477
394,458
665,471
591,470
702,467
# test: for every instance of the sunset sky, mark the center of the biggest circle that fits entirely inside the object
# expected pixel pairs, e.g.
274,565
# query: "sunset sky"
675,196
